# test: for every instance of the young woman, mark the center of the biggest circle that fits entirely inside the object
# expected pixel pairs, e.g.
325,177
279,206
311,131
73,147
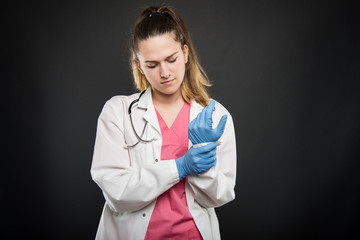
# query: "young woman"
164,158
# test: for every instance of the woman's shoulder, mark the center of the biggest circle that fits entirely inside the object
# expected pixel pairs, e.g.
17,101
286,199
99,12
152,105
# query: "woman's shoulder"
121,100
119,103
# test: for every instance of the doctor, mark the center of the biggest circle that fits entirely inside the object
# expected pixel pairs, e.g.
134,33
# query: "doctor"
166,158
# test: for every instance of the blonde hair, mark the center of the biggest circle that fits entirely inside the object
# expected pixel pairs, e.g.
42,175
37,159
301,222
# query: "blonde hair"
154,21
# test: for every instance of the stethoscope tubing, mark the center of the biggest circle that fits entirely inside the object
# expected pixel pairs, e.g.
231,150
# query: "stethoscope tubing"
140,139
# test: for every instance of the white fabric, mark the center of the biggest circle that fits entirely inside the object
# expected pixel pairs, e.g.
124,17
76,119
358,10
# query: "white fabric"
132,179
202,144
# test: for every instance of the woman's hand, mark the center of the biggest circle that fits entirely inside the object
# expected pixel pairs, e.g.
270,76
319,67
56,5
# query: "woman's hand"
200,129
197,160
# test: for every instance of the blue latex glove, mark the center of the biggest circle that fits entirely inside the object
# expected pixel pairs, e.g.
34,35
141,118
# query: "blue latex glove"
197,160
200,129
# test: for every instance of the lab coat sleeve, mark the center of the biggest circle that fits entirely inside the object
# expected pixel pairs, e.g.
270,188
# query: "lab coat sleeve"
125,187
215,187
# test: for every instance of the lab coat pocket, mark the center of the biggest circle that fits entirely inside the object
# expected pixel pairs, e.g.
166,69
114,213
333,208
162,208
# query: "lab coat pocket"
142,154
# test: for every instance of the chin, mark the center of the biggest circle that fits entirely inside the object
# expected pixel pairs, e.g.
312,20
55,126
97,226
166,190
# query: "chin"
170,91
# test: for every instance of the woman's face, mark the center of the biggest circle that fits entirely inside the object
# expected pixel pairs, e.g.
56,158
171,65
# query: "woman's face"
162,60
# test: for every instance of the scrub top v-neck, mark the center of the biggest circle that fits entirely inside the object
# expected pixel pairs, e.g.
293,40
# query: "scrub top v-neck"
171,218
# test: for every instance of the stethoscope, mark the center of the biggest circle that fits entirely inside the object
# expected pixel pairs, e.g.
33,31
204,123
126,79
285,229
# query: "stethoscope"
140,139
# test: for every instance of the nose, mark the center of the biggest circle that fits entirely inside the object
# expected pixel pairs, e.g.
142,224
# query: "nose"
164,71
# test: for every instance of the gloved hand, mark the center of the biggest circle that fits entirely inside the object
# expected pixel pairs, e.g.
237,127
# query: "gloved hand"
200,129
197,160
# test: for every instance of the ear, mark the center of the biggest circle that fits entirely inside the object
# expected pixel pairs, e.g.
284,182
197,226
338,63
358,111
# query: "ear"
186,52
138,66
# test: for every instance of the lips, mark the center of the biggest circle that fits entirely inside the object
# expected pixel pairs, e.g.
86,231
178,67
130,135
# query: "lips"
168,81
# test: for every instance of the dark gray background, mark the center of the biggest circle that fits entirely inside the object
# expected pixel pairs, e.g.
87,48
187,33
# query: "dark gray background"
288,71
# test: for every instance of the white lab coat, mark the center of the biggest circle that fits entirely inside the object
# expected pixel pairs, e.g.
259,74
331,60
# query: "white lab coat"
132,179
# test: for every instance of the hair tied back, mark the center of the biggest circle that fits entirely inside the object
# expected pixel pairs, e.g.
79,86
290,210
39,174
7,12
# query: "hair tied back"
156,14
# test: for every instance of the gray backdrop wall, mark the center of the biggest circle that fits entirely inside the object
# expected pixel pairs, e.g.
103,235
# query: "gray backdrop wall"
288,71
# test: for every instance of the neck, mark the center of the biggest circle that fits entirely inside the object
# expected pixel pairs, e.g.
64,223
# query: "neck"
160,99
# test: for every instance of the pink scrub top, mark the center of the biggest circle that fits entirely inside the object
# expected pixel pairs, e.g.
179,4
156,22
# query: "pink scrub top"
171,218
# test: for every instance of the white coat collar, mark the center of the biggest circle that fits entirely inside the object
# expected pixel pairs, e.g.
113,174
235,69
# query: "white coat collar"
146,99
150,115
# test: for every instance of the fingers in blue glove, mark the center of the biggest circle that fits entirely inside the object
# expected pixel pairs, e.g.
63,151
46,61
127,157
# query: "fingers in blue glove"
205,157
207,113
221,126
210,161
197,160
200,129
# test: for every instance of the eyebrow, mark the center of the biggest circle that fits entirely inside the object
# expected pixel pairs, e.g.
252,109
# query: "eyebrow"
151,61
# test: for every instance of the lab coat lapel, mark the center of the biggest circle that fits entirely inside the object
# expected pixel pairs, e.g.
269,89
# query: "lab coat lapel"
150,114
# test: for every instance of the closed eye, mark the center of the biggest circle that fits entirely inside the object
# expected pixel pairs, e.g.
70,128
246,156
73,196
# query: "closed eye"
151,66
172,60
